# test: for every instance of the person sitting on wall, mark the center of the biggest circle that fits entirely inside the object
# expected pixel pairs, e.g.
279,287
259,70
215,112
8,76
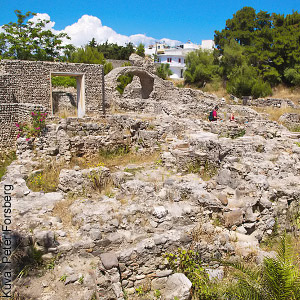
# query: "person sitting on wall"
213,115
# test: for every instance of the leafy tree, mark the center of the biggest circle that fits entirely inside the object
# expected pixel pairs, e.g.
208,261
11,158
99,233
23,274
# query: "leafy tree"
28,40
87,55
114,51
270,42
241,80
90,55
140,50
163,71
200,67
233,56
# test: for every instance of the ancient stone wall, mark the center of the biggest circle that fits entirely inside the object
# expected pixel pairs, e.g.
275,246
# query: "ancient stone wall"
271,102
30,82
10,114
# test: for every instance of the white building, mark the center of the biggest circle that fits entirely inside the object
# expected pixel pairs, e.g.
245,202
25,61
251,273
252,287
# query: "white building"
175,56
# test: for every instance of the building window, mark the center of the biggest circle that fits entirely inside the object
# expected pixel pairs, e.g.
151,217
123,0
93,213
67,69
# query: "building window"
179,60
169,59
184,60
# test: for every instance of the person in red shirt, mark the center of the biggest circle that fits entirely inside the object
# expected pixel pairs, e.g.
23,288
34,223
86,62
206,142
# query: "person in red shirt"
214,114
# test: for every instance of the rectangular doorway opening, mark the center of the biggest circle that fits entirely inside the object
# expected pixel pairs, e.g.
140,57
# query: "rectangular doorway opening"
67,94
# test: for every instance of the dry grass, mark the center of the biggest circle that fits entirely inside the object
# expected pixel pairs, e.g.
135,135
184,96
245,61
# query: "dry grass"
65,113
111,159
47,180
62,210
275,113
5,160
283,92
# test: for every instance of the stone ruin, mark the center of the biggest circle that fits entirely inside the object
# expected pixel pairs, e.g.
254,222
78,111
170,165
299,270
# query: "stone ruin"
219,188
26,85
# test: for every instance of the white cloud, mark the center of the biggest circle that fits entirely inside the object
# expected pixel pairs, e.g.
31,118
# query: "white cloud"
46,17
88,27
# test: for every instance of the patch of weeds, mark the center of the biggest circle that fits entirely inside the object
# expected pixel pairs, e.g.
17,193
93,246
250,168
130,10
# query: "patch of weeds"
189,263
217,222
109,194
46,181
80,280
125,294
63,278
32,262
260,148
151,127
111,153
140,291
294,128
238,134
206,171
94,296
98,182
51,264
157,294
271,241
133,170
298,144
159,162
140,141
5,160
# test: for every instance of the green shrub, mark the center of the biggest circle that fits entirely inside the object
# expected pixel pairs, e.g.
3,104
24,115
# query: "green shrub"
261,89
189,263
34,129
163,71
64,81
292,75
124,80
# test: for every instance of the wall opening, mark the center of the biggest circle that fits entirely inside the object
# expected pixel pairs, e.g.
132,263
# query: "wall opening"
67,94
145,80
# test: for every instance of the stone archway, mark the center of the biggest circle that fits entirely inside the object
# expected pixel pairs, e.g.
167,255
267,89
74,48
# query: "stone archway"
146,79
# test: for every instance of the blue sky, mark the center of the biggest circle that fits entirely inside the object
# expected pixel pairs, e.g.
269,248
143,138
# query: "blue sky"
177,20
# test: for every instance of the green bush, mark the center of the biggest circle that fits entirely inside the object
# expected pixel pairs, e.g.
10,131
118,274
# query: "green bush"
244,81
261,89
189,263
200,67
163,71
292,75
124,79
64,81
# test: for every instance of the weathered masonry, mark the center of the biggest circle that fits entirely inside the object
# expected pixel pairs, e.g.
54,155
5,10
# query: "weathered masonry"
26,86
30,82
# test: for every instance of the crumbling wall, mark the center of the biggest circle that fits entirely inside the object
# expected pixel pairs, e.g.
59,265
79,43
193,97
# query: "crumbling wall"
30,82
272,102
10,114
